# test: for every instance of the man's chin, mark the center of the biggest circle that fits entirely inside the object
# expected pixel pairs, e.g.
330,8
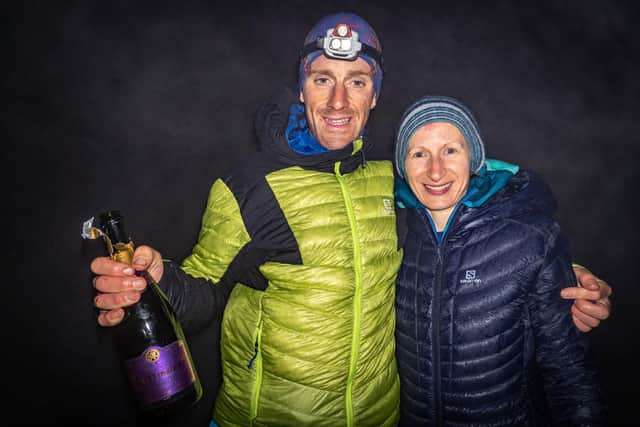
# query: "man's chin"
336,142
337,145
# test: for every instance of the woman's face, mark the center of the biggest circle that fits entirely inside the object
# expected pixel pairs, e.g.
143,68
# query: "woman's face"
437,166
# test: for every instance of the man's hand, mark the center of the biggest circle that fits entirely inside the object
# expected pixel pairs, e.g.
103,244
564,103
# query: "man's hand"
118,285
592,303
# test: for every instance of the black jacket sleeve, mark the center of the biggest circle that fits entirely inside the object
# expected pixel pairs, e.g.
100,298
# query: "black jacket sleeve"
196,301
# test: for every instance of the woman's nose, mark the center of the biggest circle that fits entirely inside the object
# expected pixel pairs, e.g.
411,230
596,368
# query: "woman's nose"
435,168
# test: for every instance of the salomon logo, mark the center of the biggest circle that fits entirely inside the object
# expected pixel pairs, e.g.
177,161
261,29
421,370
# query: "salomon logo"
387,206
470,278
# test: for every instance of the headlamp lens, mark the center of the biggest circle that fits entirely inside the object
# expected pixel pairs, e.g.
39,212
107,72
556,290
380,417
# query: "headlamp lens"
341,43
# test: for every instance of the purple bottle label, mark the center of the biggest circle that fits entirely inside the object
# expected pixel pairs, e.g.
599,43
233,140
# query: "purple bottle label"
160,372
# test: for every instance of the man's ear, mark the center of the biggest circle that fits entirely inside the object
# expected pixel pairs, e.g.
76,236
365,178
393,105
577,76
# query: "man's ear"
374,102
301,97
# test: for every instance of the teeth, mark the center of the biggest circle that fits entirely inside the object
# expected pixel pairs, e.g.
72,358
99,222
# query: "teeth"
438,187
337,122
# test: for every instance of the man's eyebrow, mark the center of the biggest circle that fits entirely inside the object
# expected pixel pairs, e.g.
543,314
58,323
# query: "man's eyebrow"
328,72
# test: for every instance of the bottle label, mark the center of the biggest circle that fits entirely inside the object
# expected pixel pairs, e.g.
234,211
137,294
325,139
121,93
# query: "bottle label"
160,372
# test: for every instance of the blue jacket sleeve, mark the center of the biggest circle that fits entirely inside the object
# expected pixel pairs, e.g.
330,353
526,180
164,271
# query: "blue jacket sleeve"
563,352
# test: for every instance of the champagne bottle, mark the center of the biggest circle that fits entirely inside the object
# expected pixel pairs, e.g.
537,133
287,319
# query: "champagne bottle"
156,356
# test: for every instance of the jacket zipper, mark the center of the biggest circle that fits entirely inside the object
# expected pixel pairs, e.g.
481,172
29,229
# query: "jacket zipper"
256,362
357,303
435,337
436,311
437,296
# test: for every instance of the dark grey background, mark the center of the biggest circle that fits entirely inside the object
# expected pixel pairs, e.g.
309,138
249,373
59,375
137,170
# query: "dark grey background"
141,105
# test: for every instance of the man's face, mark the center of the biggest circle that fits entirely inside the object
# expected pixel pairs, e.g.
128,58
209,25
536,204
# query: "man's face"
338,96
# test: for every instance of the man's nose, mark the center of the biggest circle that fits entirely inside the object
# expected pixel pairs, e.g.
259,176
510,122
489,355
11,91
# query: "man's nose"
338,99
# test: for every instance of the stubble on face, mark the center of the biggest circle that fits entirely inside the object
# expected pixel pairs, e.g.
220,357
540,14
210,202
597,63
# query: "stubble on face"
338,96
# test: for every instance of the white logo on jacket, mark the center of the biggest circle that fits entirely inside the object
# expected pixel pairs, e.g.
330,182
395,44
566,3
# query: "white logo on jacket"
470,277
387,206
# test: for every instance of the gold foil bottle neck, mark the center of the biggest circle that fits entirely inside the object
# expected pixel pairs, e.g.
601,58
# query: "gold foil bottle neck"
119,251
122,252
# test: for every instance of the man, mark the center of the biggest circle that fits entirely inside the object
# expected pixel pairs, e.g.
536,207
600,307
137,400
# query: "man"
303,242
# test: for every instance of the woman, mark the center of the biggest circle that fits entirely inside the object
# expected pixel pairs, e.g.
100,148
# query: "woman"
483,336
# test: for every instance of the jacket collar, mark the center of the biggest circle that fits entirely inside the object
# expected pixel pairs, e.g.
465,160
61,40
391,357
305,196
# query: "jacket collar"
273,119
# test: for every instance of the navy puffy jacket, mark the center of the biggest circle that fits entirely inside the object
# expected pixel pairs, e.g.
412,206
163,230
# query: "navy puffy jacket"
483,337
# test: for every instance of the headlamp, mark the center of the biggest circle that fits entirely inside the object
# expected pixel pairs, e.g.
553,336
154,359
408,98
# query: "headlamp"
343,43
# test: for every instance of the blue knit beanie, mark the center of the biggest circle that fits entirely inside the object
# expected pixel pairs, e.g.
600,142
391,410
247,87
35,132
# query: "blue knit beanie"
366,35
432,109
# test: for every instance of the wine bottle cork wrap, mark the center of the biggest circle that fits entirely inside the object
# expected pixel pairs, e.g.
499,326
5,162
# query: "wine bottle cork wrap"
122,252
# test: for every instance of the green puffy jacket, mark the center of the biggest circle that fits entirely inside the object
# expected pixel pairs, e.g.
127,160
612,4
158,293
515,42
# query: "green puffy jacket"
316,232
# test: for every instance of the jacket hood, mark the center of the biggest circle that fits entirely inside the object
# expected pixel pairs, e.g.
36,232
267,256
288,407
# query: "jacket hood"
525,192
271,123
